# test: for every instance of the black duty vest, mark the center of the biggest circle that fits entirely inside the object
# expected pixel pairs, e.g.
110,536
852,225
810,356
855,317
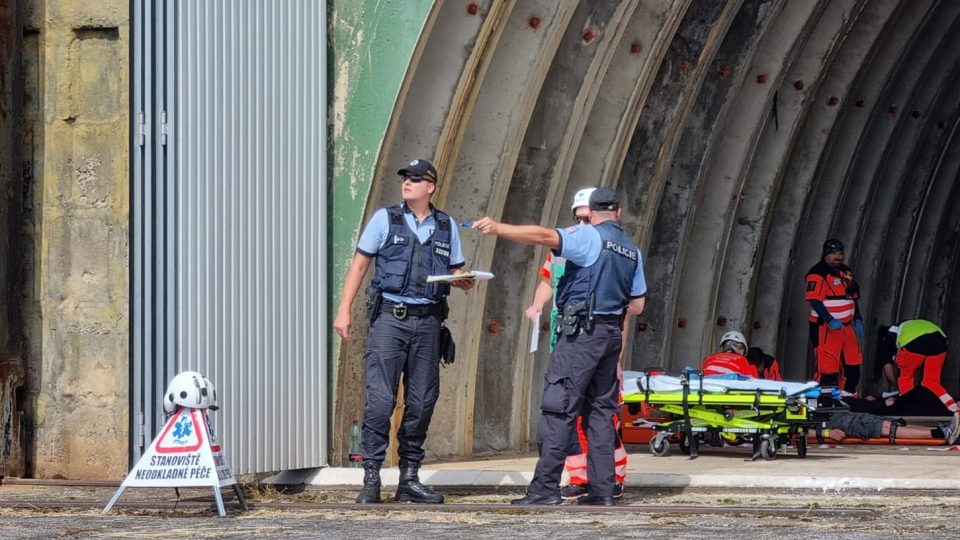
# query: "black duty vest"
609,279
403,263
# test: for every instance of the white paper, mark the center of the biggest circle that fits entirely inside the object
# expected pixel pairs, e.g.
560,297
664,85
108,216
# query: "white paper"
478,275
535,335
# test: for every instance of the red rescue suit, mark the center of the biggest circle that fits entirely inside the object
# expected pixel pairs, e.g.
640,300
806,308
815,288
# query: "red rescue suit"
722,363
576,462
927,349
836,288
770,370
766,365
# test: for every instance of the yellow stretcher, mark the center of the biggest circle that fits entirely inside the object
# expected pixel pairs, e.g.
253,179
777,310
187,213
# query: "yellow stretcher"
718,410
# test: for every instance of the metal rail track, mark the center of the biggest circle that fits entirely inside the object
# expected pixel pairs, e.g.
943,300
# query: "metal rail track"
661,509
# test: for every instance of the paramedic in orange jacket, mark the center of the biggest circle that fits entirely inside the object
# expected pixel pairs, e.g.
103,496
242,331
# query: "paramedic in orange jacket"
835,322
730,359
766,365
922,345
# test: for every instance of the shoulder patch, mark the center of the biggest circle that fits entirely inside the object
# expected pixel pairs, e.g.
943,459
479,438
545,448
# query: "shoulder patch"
811,285
571,230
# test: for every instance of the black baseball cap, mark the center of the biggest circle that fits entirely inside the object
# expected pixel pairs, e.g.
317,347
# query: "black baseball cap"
419,168
832,246
604,198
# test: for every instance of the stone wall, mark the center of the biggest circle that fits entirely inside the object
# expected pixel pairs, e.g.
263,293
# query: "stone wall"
76,200
11,362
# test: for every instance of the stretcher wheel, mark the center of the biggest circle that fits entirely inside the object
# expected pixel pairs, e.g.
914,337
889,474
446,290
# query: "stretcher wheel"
768,448
686,443
659,445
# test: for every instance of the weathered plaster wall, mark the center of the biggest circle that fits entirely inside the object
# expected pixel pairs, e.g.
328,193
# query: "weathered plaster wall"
75,146
373,47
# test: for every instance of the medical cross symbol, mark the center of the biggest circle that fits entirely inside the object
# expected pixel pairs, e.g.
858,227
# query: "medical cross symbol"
182,429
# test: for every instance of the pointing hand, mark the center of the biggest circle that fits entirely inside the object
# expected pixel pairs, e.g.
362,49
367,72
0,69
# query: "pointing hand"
487,225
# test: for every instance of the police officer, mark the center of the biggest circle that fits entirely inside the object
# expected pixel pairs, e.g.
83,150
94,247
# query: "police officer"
603,283
409,242
551,272
835,322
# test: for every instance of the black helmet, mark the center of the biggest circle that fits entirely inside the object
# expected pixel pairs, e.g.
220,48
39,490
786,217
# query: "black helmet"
832,245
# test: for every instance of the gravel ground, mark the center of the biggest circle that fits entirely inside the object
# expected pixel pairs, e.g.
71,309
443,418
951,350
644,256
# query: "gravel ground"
893,515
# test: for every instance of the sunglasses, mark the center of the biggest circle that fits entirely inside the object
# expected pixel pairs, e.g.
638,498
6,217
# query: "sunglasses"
417,179
581,219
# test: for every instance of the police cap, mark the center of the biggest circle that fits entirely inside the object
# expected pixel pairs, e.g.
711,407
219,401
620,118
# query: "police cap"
419,168
604,198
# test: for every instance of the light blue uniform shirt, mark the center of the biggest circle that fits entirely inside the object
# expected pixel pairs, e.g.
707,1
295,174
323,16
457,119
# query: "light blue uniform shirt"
375,236
581,245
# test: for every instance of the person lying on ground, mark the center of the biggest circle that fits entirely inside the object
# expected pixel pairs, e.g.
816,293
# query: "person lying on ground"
870,426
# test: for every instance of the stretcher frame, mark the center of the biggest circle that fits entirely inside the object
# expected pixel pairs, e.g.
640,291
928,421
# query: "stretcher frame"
768,420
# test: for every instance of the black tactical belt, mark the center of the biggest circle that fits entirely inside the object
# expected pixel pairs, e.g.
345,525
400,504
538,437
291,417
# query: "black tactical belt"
609,318
402,311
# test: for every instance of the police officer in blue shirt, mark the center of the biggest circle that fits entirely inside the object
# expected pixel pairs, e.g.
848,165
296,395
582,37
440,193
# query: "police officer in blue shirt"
409,242
602,284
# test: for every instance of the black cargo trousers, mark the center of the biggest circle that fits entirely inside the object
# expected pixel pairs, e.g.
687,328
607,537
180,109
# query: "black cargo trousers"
581,379
410,347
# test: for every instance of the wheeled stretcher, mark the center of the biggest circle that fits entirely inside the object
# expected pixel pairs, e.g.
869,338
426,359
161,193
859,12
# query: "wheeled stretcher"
713,410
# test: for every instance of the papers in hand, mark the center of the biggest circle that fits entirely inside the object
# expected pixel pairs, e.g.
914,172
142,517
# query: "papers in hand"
448,278
535,334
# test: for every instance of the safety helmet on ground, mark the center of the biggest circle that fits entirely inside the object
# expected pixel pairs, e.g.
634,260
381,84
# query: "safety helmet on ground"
733,337
582,198
188,389
210,396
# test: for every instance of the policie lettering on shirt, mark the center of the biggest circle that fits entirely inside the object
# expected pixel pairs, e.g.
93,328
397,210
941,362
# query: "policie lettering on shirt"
620,250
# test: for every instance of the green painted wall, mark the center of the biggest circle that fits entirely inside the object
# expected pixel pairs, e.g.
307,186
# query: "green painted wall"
373,42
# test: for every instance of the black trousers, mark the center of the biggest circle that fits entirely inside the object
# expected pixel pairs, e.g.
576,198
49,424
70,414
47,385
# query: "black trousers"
581,379
394,347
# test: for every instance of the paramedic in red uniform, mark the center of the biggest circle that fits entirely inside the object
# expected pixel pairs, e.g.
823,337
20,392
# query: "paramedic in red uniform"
922,344
835,322
767,366
730,359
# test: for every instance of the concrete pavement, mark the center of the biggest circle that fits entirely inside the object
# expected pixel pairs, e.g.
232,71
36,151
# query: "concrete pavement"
824,468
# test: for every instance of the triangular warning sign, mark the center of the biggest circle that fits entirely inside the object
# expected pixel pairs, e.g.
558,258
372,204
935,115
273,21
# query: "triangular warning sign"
186,453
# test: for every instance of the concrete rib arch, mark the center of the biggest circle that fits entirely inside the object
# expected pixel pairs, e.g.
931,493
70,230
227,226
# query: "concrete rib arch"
738,134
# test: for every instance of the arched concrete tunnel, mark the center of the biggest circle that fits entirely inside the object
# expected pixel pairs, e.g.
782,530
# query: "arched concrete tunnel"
739,134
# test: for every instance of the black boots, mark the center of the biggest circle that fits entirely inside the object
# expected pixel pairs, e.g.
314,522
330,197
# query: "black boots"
532,499
410,488
370,493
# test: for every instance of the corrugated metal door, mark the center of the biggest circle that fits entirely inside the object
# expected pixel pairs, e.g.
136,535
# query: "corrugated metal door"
230,220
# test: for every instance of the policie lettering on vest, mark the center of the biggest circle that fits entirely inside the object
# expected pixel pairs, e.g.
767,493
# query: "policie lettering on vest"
620,250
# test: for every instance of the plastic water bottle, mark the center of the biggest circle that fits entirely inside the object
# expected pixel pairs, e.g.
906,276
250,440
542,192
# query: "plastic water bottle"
355,455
